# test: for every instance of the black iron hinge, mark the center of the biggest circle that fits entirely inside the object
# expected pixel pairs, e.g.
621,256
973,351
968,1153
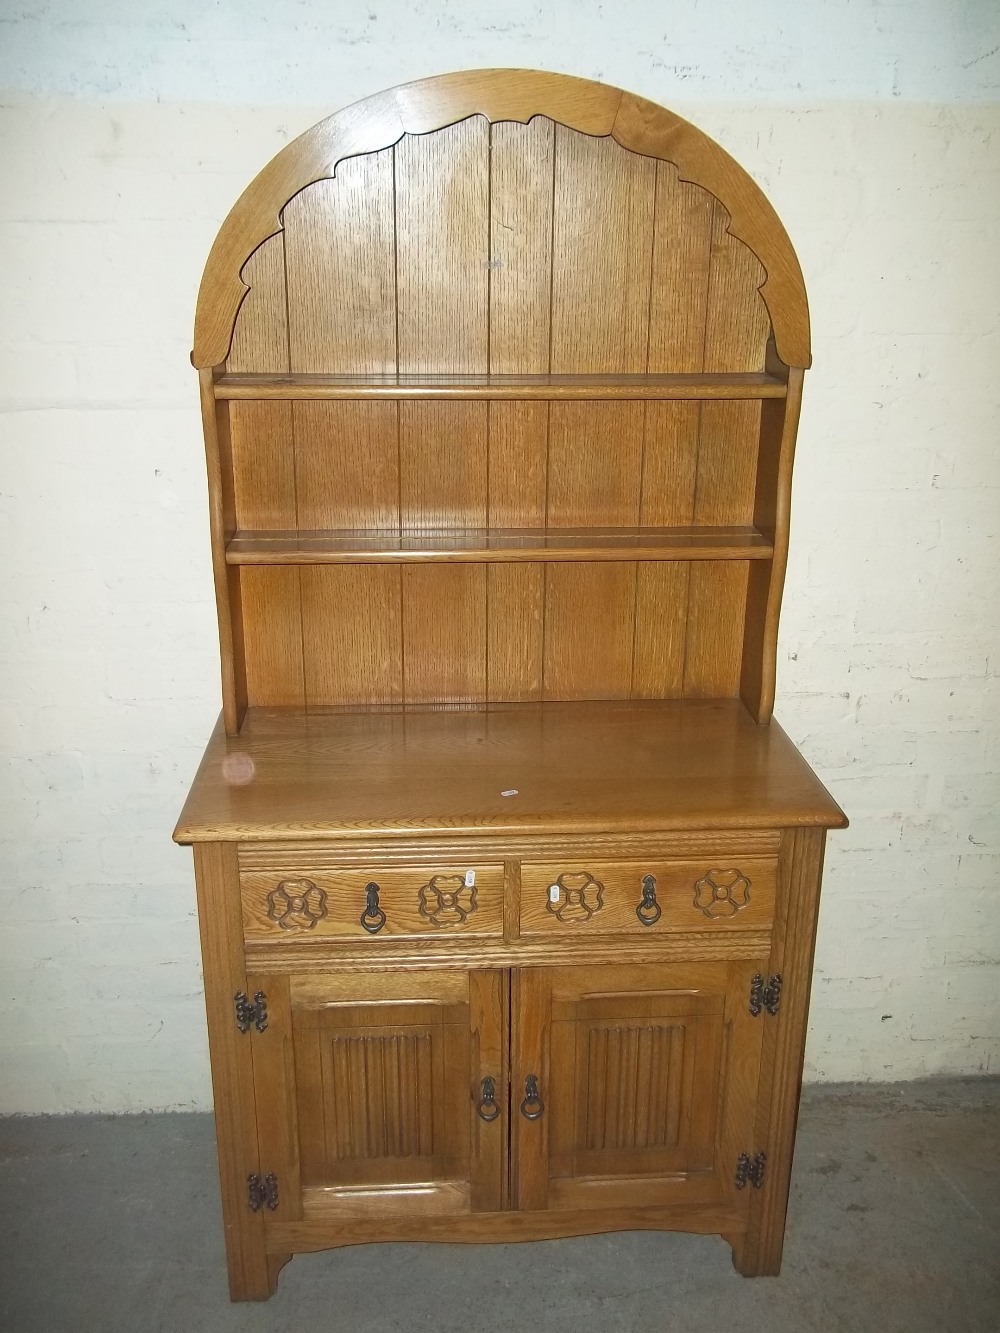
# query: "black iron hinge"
750,1170
765,995
250,1011
262,1193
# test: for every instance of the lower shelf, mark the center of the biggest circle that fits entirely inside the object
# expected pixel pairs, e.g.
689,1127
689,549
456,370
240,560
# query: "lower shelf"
474,545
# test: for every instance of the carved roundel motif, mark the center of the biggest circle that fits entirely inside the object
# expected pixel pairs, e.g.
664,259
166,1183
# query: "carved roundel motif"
446,900
296,904
721,893
580,896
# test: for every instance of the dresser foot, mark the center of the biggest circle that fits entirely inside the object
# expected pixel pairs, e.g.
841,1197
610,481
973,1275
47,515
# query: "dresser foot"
750,1259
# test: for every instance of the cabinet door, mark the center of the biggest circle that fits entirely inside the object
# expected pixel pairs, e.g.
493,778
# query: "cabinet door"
646,1084
372,1096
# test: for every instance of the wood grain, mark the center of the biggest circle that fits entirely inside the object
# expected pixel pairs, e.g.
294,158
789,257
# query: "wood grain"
272,635
274,1083
474,545
613,910
352,642
520,257
411,900
442,241
602,233
498,387
792,950
515,600
444,633
232,1069
589,617
538,344
772,503
493,1228
443,469
603,769
500,95
661,597
340,262
717,594
346,466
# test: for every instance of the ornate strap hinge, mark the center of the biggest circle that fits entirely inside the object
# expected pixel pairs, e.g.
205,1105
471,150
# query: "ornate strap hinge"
750,1170
765,995
250,1011
262,1193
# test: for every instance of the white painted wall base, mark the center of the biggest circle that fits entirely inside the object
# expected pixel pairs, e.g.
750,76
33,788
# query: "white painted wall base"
890,648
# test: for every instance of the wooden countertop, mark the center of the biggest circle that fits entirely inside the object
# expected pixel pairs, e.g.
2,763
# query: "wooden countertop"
575,768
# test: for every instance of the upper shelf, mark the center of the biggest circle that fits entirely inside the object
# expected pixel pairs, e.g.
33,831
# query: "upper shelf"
500,387
504,545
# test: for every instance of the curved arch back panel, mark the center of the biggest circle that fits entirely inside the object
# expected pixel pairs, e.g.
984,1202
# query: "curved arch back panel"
503,249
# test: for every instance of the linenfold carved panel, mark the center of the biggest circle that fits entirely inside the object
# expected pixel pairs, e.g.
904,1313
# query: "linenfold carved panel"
635,1076
387,1112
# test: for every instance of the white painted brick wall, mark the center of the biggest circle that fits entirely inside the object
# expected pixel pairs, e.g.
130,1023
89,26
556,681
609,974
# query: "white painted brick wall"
126,132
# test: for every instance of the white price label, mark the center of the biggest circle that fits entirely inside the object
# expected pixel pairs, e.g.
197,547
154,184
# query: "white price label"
470,878
553,893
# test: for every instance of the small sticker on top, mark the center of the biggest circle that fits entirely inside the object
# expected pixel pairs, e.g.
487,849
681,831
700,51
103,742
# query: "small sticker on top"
470,879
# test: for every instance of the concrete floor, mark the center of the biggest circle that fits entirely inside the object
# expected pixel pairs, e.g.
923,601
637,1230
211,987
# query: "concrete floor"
113,1224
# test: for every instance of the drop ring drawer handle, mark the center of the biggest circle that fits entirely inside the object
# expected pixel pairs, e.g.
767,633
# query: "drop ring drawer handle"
372,918
532,1106
488,1108
648,910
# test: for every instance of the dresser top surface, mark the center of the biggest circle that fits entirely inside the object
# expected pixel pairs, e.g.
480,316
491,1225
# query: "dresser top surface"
515,769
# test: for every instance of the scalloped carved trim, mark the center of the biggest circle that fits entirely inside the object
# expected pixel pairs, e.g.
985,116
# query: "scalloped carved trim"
427,105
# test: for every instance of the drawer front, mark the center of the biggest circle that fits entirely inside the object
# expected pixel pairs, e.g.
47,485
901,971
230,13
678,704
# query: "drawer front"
372,903
646,897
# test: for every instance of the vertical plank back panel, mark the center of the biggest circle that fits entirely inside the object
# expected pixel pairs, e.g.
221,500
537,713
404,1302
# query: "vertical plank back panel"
515,249
260,335
521,185
339,253
341,264
442,465
444,633
272,635
736,333
347,465
263,452
442,239
714,649
352,635
442,243
589,621
602,234
595,464
520,258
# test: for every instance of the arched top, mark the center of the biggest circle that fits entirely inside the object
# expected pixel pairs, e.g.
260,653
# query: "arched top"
427,105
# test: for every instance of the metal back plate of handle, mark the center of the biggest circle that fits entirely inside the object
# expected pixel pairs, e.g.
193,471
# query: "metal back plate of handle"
372,918
648,910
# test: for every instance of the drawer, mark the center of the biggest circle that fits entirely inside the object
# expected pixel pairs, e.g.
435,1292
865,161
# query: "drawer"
607,897
372,903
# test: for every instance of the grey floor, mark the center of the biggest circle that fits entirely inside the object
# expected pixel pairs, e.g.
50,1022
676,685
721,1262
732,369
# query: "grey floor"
894,1224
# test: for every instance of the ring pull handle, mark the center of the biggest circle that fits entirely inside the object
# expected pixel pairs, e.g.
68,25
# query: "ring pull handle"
372,918
648,910
488,1108
532,1106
